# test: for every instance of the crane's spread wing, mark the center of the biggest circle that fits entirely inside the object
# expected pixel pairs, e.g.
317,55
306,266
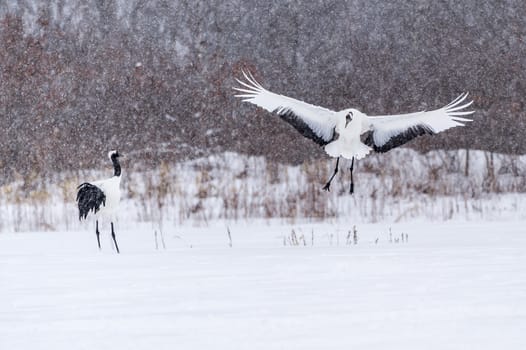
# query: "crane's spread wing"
313,122
89,198
387,132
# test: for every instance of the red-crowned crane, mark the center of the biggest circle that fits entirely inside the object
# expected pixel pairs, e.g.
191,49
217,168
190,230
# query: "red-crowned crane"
102,197
350,133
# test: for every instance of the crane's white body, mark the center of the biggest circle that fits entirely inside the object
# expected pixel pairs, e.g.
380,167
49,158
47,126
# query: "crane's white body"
348,143
112,190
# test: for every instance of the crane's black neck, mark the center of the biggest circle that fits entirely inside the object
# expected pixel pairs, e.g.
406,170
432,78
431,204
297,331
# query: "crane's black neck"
116,165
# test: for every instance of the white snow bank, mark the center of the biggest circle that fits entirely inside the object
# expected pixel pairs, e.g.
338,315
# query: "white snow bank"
400,185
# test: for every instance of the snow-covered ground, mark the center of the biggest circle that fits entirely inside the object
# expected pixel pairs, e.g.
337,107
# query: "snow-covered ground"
453,285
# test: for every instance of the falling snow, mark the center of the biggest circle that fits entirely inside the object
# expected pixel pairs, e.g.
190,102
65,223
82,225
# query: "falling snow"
227,241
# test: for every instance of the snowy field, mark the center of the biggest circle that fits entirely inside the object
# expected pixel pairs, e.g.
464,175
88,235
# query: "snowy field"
452,285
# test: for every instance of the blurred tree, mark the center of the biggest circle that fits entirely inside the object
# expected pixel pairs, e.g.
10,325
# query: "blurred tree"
154,78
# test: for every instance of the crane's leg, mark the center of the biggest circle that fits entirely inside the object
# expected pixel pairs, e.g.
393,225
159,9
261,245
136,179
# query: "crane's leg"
113,236
97,232
327,186
352,182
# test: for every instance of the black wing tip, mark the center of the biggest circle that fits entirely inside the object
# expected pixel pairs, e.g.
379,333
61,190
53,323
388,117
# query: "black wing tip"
400,139
83,184
302,127
89,198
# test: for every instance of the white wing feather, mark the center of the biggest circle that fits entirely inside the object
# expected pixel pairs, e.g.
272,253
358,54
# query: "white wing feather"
320,120
385,128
